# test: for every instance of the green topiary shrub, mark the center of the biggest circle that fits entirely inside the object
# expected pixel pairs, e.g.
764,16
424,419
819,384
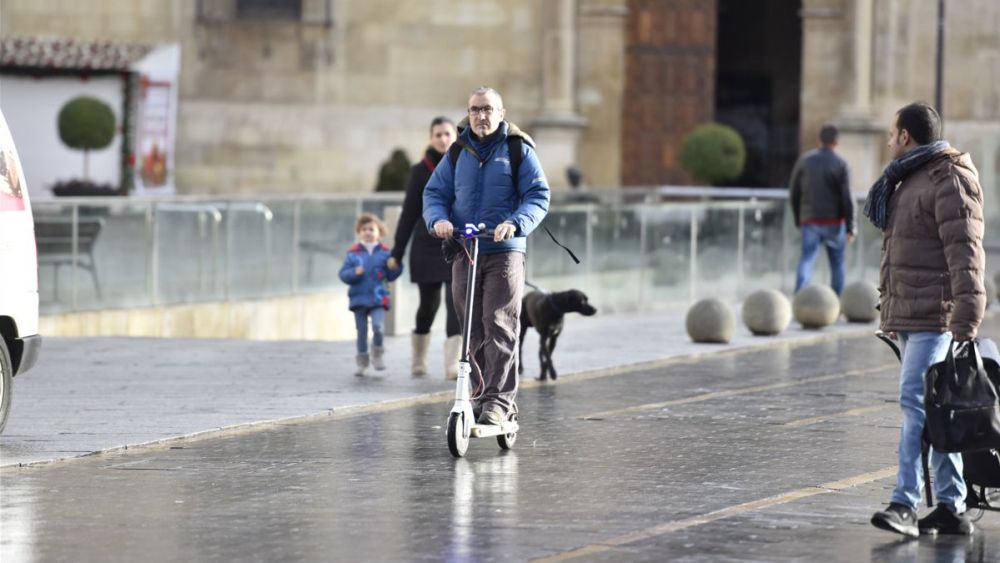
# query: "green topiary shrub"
86,124
713,153
393,173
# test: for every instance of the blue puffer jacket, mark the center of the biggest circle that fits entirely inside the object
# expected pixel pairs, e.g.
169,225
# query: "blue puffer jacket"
481,189
370,289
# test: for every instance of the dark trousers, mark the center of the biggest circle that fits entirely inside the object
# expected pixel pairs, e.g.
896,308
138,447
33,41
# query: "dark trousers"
430,301
496,322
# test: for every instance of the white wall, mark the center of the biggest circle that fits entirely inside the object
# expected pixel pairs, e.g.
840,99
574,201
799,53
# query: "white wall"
31,106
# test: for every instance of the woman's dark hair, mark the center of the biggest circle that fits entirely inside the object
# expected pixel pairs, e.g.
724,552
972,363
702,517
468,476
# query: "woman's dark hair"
921,121
439,120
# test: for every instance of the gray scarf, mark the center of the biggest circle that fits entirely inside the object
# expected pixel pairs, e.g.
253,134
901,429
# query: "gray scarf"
877,203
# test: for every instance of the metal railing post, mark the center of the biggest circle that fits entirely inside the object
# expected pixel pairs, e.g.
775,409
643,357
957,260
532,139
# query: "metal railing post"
154,254
296,240
227,256
75,243
786,235
693,263
740,244
643,258
589,250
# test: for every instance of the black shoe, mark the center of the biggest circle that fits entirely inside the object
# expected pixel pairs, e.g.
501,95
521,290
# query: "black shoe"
897,518
944,521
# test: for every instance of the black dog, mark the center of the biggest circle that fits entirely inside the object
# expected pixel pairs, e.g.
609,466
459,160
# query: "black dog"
545,312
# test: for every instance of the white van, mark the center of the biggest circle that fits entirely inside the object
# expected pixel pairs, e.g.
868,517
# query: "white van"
19,340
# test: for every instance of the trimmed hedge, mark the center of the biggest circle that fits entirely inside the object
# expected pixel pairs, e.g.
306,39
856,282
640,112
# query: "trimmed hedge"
713,153
86,123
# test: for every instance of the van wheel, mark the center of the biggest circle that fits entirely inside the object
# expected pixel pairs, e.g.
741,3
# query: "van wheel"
6,383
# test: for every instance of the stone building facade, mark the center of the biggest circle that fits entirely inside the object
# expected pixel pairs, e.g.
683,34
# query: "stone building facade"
864,59
312,95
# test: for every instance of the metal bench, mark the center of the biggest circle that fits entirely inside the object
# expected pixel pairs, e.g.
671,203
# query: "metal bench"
58,245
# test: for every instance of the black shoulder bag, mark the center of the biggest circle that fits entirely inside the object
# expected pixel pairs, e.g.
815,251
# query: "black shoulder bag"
961,401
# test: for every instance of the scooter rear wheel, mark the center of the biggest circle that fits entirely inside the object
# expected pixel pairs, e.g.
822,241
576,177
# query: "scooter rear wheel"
506,441
985,497
458,440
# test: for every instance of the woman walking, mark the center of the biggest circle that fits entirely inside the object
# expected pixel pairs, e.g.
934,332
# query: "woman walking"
427,266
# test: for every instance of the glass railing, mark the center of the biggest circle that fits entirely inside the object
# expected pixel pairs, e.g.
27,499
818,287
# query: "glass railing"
125,253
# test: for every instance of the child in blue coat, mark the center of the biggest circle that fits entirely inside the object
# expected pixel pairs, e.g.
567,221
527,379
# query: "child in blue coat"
367,271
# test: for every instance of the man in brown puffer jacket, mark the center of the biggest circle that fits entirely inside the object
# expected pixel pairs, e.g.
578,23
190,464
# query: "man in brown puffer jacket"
929,206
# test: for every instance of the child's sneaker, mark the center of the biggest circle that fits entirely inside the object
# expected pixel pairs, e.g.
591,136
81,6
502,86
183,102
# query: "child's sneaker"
944,521
897,518
362,360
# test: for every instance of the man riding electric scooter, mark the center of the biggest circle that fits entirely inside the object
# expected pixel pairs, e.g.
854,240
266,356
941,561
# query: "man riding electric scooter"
490,177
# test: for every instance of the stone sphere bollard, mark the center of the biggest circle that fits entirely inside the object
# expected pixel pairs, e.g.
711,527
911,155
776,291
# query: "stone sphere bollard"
767,312
858,302
816,306
710,320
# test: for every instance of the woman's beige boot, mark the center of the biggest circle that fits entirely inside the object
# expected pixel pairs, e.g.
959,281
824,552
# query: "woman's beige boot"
452,355
420,344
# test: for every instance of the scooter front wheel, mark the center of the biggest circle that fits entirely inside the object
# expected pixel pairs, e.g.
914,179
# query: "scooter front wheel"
458,440
506,441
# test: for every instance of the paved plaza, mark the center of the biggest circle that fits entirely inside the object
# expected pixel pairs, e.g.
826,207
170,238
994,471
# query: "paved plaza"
649,448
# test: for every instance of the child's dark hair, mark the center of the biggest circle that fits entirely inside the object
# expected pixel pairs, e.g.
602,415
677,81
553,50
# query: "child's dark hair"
366,218
921,120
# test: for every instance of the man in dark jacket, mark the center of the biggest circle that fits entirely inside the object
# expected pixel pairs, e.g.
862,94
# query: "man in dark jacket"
427,266
479,189
823,208
929,205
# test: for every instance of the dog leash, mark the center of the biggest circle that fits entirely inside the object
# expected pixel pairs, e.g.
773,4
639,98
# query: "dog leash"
451,248
564,247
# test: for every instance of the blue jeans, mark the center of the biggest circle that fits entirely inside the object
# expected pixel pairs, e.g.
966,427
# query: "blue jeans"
834,237
378,323
920,351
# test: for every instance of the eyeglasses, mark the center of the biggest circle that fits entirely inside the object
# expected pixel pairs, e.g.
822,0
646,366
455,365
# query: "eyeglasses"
485,110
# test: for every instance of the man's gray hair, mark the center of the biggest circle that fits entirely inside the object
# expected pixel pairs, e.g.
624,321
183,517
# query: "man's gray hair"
485,91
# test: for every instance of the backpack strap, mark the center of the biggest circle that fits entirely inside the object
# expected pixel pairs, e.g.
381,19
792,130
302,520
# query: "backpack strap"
514,148
453,152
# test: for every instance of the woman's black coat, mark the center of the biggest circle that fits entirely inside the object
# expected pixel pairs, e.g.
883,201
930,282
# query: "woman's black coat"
426,260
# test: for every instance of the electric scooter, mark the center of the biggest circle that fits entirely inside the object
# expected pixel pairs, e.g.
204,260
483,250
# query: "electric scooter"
462,425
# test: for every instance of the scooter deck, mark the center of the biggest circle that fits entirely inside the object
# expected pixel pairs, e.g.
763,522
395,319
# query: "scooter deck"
487,430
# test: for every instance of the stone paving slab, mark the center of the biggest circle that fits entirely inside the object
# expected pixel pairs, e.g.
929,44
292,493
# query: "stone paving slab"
89,395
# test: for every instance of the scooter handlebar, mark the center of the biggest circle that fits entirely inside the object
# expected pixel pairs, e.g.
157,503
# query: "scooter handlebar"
470,231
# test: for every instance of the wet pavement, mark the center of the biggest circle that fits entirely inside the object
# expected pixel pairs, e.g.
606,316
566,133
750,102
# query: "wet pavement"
90,395
773,454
